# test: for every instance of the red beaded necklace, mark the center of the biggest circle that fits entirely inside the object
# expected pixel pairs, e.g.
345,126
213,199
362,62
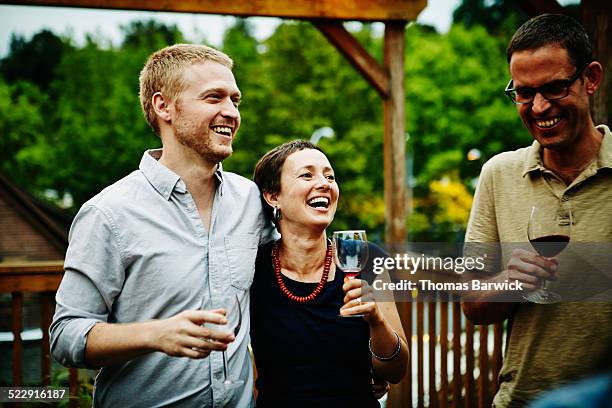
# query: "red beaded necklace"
285,291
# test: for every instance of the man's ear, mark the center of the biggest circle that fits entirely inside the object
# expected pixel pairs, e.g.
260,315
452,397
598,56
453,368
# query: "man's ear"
271,199
594,76
162,106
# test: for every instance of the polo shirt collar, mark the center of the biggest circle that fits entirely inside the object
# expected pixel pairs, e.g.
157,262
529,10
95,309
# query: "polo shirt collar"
533,159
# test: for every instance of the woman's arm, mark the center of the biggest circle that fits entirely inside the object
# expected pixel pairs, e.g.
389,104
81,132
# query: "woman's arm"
389,351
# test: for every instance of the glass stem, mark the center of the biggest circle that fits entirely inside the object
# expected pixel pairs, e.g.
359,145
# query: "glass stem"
544,285
225,366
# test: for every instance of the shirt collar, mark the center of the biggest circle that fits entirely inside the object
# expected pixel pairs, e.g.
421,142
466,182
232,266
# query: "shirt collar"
604,157
533,160
164,180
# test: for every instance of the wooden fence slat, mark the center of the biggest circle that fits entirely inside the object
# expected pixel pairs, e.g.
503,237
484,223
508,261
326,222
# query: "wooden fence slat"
409,321
46,313
420,385
456,354
431,315
73,387
483,365
469,364
443,354
402,392
17,311
498,332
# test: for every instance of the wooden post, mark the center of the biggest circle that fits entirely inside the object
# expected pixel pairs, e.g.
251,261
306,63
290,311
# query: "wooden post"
46,303
420,316
457,383
483,365
431,364
443,354
597,19
395,135
17,310
469,365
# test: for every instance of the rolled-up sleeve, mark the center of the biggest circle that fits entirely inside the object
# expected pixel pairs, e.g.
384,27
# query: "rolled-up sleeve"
94,275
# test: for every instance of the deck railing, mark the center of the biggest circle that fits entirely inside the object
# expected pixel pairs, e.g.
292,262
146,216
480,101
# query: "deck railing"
453,363
42,278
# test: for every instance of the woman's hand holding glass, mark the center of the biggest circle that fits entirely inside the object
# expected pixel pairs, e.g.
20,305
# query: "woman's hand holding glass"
359,300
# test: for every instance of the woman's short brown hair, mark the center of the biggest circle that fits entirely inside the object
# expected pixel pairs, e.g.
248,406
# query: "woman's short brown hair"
267,174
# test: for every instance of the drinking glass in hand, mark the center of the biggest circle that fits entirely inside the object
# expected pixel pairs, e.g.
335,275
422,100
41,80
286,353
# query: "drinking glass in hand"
233,314
350,253
549,234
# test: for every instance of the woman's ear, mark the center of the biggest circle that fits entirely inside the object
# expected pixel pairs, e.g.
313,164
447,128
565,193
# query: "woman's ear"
271,199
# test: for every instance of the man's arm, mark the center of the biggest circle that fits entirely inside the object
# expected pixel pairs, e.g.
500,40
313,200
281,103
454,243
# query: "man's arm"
94,277
179,336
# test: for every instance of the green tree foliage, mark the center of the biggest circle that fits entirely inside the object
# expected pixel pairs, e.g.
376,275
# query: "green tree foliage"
34,60
85,129
21,126
150,35
497,16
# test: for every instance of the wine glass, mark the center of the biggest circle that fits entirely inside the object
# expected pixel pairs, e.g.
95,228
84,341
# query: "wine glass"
549,234
350,253
233,314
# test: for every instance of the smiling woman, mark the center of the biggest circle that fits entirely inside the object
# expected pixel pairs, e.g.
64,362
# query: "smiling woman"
305,353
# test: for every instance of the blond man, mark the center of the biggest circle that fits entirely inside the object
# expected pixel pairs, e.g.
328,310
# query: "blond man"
153,257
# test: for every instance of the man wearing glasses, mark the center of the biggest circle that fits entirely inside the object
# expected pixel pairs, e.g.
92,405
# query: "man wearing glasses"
568,167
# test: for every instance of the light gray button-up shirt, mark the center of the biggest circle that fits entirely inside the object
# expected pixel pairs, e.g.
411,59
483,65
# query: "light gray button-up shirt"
139,251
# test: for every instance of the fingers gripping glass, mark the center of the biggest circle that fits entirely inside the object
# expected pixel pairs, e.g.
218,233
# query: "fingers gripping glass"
550,91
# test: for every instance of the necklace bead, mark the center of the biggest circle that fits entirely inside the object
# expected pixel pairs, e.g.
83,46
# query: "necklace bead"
283,288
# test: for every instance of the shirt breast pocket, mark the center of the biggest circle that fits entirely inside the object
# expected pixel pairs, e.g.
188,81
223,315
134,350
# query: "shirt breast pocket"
241,253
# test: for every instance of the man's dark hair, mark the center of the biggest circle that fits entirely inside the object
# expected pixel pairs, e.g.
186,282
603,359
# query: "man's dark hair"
267,174
550,29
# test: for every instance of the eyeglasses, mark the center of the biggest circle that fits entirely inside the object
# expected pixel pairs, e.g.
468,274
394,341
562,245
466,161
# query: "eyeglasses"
550,91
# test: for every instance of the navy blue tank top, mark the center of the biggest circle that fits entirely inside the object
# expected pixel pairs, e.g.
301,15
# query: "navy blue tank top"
306,354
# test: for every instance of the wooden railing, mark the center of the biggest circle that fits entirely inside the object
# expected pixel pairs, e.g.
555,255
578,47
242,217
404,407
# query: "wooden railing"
438,326
441,337
42,278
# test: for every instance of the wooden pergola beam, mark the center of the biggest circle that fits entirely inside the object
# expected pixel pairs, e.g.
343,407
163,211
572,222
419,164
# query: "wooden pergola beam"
359,10
358,56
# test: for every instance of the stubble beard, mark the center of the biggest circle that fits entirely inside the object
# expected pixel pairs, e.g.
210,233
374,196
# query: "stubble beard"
198,140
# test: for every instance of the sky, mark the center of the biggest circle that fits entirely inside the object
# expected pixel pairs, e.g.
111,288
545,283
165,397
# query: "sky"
28,20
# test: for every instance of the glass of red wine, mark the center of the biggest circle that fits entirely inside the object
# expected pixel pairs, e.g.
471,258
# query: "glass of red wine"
350,253
549,233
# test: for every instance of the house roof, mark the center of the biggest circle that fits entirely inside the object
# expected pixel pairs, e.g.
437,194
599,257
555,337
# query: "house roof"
51,221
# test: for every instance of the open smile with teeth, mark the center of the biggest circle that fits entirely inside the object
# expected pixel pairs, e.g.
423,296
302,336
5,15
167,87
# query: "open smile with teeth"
318,202
547,123
222,130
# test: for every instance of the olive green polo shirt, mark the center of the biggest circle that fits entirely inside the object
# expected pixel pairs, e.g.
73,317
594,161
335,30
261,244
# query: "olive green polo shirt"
550,344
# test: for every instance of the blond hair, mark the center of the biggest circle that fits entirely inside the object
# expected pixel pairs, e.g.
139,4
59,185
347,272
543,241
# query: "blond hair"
163,72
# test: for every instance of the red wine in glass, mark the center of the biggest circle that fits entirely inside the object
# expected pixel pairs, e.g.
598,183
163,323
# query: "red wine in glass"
549,233
550,245
351,273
